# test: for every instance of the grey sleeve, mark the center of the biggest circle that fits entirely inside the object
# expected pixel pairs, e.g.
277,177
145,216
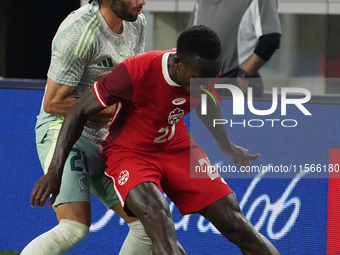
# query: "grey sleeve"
270,21
68,60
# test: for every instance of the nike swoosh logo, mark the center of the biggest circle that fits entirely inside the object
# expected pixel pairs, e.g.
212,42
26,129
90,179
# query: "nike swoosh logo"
179,101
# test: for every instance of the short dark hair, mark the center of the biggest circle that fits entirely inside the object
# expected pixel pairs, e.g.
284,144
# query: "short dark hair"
90,1
201,47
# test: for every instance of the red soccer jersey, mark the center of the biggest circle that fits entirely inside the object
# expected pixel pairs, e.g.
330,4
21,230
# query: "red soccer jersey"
150,114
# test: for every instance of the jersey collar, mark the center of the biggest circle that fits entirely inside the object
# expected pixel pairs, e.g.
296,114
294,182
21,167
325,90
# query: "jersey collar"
165,70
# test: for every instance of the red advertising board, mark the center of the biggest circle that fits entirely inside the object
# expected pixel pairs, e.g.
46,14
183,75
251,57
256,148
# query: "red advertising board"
333,240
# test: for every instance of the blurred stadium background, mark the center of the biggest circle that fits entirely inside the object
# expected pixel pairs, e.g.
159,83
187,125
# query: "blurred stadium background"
300,217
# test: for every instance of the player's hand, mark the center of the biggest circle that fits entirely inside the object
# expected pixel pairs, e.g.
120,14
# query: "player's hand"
241,157
243,84
47,185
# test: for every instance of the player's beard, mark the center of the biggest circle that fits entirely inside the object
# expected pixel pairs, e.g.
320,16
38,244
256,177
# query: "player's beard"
124,10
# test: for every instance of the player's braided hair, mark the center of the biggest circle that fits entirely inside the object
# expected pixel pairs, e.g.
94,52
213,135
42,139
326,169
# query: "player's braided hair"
199,42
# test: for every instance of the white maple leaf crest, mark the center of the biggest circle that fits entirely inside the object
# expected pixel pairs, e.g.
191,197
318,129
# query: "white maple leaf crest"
175,116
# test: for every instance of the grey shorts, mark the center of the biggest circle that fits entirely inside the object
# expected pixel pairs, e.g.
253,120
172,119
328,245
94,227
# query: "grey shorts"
83,170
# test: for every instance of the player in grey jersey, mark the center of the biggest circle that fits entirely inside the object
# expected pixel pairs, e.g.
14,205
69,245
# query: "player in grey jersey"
250,32
89,43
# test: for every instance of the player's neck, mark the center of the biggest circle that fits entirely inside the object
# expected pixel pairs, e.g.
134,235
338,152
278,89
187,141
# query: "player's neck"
114,23
172,68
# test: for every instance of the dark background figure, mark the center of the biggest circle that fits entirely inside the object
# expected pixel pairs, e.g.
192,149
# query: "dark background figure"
250,32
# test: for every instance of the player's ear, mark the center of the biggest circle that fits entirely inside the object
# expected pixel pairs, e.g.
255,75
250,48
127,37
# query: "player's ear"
178,62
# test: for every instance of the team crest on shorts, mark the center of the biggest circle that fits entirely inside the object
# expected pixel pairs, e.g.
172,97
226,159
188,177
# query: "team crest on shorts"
83,182
123,177
175,116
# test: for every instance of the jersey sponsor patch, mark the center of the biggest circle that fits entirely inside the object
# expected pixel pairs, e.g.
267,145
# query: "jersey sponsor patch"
123,177
179,101
175,116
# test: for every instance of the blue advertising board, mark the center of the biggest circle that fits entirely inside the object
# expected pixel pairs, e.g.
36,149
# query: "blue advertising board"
291,212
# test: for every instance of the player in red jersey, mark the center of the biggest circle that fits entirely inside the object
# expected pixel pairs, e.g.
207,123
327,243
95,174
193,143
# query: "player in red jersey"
148,147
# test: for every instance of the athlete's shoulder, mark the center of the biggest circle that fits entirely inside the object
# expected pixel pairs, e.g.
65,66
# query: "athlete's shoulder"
137,26
144,61
149,56
79,16
143,58
141,21
77,22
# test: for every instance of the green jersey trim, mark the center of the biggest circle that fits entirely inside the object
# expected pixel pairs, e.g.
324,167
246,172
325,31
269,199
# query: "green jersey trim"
87,37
